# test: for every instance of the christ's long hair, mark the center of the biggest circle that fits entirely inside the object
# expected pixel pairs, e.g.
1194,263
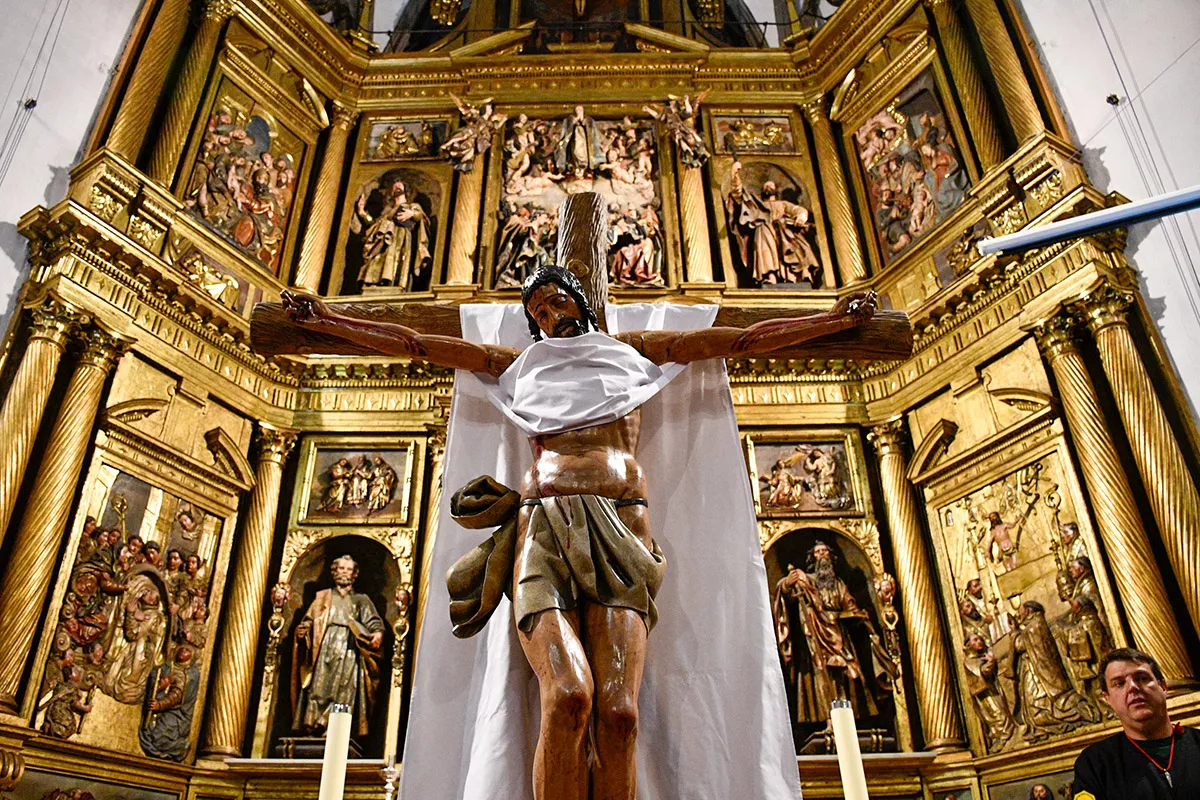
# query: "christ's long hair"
564,278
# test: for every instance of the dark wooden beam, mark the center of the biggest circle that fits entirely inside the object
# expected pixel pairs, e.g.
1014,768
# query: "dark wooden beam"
888,336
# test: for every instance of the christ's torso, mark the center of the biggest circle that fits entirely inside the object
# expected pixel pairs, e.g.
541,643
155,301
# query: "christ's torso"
597,460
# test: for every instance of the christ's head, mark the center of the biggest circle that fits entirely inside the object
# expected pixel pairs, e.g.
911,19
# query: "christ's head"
555,304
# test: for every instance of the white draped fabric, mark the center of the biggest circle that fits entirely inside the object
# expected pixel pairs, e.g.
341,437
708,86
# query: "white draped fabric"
714,720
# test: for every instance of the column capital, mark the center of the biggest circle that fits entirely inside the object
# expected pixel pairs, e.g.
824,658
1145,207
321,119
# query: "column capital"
889,438
1105,307
103,348
941,5
814,109
219,10
55,321
343,117
275,443
1057,335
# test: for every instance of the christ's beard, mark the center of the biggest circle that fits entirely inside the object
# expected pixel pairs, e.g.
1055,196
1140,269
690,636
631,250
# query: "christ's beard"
568,327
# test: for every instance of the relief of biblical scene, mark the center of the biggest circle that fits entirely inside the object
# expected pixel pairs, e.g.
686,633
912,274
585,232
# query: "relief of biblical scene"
828,625
214,280
772,231
1032,622
546,160
130,644
37,785
1046,787
400,139
358,486
393,232
244,178
801,478
753,135
913,169
346,579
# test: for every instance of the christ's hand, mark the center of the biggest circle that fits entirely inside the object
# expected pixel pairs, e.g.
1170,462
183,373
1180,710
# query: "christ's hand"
860,306
304,308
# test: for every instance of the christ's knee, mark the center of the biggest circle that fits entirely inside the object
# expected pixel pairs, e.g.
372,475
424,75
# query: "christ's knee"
567,704
617,717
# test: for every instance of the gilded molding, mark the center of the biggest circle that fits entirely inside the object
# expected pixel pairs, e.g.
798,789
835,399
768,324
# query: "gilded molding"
933,673
1117,517
1173,497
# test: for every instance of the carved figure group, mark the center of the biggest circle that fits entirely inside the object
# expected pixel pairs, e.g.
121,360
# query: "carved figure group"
242,188
478,124
131,619
367,485
679,117
817,644
771,234
636,247
396,235
397,141
526,243
337,651
807,476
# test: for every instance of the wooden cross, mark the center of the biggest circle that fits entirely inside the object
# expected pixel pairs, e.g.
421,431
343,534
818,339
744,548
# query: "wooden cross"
583,249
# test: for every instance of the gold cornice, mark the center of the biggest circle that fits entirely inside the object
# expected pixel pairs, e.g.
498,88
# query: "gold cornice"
883,86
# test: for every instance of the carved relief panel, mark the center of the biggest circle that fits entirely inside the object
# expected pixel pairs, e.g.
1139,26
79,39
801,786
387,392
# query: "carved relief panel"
769,220
804,473
350,549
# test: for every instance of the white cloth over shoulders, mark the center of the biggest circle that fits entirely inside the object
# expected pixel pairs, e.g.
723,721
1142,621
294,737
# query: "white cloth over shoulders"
714,722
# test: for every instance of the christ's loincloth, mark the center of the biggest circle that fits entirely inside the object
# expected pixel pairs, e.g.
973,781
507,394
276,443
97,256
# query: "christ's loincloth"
577,548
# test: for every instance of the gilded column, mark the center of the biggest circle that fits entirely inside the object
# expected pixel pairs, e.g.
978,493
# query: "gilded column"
967,80
1120,525
696,249
230,700
35,553
464,238
1019,102
437,451
1165,474
128,132
27,396
932,671
851,265
164,159
324,201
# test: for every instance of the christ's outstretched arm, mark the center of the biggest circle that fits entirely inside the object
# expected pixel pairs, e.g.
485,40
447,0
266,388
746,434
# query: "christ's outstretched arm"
391,339
760,339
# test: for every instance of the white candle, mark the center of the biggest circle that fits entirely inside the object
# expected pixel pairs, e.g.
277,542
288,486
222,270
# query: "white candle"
845,736
393,723
337,751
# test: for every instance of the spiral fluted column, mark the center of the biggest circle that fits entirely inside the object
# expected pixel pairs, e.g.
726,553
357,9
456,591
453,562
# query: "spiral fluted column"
697,252
968,82
1165,474
324,201
21,415
846,245
230,700
1019,103
437,456
464,238
933,673
164,159
1131,560
35,554
128,132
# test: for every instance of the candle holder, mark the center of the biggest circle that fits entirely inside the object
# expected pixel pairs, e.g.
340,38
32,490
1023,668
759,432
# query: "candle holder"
391,778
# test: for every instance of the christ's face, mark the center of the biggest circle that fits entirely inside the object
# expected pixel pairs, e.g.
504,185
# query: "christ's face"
556,312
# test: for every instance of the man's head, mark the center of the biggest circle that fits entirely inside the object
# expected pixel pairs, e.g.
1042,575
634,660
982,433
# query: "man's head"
1032,608
1040,791
968,609
994,519
975,587
820,561
174,560
344,571
183,655
1133,684
135,545
1082,606
193,564
976,643
1080,567
555,304
153,552
89,525
1070,532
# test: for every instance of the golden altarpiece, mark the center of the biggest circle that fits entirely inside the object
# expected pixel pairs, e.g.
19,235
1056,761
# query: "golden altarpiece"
996,510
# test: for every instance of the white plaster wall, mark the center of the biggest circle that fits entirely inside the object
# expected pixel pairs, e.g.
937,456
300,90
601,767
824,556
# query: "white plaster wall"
45,143
1148,145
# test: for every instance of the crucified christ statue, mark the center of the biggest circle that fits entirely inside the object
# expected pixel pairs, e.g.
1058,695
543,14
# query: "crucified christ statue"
582,625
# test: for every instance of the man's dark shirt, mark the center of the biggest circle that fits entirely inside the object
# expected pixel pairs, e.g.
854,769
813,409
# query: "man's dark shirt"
1114,769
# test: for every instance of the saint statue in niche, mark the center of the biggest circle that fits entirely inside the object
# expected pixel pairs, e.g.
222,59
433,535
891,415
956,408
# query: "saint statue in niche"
337,653
771,234
395,232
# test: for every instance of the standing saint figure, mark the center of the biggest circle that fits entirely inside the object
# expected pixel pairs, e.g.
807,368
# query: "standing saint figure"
395,242
337,652
818,650
580,148
1046,703
583,566
382,484
770,234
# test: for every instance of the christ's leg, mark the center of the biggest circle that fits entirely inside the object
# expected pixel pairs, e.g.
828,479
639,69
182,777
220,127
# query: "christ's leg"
616,645
556,654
